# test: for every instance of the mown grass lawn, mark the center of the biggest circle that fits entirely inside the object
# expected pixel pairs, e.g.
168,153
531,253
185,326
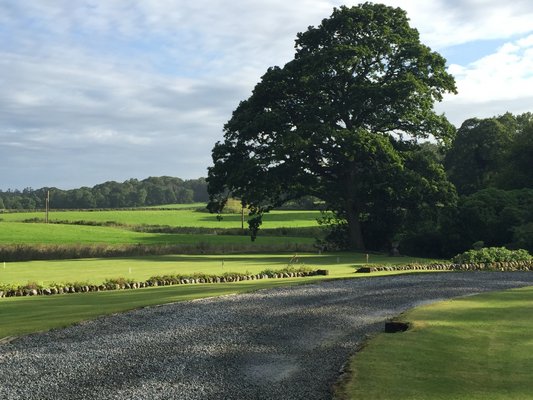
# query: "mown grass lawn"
95,271
472,348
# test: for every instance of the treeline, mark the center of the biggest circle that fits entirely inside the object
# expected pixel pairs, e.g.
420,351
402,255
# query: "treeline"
490,164
131,193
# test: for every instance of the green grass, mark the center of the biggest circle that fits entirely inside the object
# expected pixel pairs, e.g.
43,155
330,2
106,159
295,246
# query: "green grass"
22,315
470,348
141,268
180,206
24,233
182,218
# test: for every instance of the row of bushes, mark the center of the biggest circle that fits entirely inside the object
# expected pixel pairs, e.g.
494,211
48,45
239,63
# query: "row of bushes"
28,252
491,255
34,289
489,266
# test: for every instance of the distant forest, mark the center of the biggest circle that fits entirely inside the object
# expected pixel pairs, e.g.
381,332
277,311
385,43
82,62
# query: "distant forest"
152,191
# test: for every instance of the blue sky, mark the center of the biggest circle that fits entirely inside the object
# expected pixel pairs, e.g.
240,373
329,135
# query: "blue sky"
110,90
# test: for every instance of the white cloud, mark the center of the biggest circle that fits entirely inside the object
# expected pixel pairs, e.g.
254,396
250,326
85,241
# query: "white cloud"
445,23
504,78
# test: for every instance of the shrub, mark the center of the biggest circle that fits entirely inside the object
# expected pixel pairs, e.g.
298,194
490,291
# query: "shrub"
118,281
492,254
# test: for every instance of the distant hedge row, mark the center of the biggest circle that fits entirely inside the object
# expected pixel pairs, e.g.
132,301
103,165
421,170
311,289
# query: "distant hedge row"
29,252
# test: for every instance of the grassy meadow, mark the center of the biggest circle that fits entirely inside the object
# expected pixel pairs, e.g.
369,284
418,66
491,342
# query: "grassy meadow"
476,347
172,217
38,233
174,229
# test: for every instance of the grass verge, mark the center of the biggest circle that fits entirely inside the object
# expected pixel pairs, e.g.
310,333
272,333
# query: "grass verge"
472,348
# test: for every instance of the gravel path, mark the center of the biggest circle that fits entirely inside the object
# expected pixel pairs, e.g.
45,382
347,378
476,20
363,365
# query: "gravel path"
285,343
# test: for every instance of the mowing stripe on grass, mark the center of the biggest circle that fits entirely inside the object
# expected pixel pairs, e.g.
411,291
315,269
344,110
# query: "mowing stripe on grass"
470,348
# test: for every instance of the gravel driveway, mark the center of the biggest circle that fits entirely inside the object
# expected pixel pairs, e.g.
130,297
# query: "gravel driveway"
284,343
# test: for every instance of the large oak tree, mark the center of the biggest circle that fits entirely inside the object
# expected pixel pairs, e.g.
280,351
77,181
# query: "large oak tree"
340,122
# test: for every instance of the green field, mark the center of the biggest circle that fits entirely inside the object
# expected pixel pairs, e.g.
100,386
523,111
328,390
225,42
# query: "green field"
32,233
469,348
178,217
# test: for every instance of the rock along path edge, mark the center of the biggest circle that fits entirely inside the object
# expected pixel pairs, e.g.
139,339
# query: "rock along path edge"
283,343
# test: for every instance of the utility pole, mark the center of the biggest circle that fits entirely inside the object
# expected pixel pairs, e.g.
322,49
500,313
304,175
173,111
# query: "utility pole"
47,202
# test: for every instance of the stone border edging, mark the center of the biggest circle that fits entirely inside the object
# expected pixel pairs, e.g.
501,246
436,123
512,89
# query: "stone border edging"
227,278
508,266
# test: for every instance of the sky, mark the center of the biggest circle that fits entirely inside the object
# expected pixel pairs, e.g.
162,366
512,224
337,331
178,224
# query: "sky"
99,90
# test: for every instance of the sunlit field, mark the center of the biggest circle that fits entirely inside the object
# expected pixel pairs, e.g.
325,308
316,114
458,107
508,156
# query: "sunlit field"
60,234
178,217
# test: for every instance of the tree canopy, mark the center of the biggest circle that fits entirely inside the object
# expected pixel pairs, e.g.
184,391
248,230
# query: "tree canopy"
341,122
492,152
130,193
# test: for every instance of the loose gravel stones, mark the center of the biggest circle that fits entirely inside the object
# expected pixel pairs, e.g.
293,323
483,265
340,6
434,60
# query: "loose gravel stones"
284,343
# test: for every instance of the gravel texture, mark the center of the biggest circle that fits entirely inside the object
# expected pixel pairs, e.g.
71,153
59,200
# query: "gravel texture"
284,343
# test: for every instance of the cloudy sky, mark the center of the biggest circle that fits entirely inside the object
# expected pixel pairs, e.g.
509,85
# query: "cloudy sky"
102,90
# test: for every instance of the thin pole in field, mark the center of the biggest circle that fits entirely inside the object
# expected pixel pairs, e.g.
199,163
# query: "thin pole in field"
242,217
47,205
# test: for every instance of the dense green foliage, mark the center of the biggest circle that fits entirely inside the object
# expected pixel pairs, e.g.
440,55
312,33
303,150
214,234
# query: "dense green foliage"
490,162
131,193
341,122
492,254
475,348
492,152
171,218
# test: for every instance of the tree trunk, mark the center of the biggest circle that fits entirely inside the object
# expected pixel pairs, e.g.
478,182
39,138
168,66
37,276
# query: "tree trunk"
355,234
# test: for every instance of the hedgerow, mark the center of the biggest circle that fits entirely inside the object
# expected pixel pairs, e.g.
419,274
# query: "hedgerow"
492,254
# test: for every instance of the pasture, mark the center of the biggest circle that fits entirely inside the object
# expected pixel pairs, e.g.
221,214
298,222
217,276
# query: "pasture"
168,217
62,234
77,234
